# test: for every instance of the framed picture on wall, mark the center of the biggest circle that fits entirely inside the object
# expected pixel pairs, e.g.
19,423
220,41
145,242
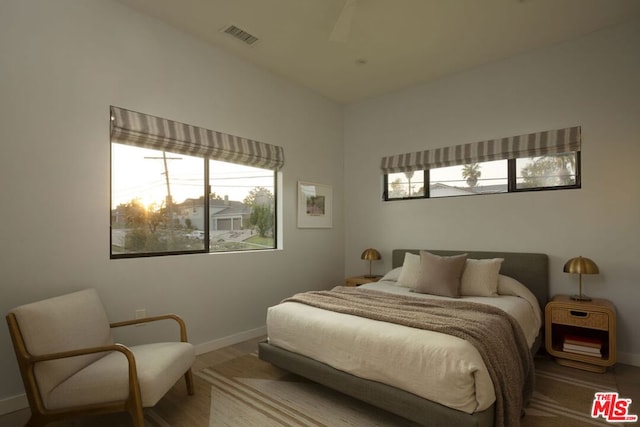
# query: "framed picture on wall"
315,204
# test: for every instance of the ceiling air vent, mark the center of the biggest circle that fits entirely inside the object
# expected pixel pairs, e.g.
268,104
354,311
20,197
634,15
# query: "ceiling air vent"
240,34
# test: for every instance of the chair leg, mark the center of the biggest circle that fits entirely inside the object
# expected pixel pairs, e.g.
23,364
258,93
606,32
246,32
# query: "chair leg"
36,419
32,423
137,416
188,377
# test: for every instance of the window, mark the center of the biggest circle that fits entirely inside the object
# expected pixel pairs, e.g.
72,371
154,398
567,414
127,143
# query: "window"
242,204
532,173
546,172
405,185
166,202
469,179
495,166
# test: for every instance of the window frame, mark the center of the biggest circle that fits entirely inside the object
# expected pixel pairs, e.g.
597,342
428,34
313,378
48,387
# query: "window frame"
207,191
511,183
512,178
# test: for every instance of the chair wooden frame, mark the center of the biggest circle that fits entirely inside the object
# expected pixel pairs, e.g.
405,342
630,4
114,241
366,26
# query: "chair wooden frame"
41,416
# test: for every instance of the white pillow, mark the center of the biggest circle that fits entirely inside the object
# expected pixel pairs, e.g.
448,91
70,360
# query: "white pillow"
510,286
393,275
480,277
411,271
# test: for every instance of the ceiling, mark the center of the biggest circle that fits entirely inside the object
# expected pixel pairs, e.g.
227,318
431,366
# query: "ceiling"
383,45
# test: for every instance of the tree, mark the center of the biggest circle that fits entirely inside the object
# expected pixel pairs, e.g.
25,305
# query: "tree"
550,171
261,201
144,222
397,189
262,218
409,175
259,195
151,217
471,172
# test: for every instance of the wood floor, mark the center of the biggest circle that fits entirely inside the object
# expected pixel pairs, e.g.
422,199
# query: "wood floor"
626,377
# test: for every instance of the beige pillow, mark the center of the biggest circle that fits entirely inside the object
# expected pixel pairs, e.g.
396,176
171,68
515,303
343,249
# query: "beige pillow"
440,275
480,277
410,271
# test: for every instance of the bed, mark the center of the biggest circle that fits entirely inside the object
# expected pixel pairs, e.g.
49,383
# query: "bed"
381,379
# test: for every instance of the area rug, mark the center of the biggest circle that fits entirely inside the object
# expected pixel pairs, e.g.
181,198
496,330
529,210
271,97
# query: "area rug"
564,396
248,392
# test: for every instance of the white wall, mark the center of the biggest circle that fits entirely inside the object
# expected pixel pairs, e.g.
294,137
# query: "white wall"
592,82
62,64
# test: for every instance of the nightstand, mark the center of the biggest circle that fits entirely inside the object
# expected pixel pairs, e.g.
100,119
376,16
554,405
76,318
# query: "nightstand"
360,280
581,334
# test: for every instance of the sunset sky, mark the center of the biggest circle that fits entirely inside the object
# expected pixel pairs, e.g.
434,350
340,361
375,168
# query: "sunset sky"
139,173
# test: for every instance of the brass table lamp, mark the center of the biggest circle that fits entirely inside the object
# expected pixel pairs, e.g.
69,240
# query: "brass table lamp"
370,255
580,266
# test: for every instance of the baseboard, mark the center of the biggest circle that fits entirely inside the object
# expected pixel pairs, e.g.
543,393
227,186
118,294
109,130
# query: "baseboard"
230,340
629,359
13,403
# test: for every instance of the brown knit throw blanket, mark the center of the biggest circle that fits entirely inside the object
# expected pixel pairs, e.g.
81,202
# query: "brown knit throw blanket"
497,335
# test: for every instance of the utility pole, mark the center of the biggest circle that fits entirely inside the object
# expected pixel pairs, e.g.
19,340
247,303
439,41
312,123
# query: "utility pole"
169,199
166,177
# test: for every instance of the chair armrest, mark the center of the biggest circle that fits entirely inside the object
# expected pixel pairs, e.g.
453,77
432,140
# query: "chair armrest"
82,351
183,326
134,385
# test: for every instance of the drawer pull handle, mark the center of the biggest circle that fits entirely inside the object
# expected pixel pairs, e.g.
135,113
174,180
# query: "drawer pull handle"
576,313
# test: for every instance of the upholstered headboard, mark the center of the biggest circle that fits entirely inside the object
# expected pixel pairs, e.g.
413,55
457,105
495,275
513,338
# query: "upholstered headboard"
531,269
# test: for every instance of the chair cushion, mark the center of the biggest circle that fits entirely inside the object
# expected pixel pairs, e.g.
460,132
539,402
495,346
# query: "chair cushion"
159,365
63,323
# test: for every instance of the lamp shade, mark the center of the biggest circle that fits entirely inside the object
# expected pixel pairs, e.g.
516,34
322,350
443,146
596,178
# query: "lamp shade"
370,254
581,265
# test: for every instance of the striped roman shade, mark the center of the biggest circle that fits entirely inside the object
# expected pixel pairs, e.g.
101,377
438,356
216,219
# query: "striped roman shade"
530,145
142,130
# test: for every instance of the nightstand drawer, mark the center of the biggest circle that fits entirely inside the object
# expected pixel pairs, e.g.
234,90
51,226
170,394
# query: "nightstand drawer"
581,318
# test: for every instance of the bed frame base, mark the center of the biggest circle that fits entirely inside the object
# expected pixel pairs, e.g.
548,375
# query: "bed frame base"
396,401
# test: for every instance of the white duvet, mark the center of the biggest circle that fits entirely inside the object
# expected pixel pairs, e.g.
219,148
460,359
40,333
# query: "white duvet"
437,367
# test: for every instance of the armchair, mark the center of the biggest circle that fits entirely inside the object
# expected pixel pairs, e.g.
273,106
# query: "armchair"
71,366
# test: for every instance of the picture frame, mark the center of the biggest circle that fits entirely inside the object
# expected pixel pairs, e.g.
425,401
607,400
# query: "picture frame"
315,205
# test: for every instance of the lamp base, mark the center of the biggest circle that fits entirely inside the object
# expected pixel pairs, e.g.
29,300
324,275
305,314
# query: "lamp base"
580,297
